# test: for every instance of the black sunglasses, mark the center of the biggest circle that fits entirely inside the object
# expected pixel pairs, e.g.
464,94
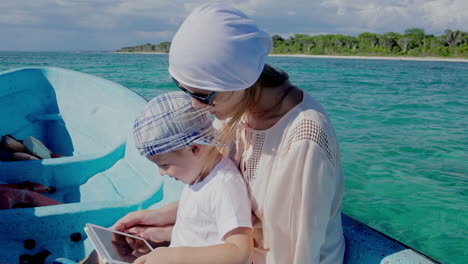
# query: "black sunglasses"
202,98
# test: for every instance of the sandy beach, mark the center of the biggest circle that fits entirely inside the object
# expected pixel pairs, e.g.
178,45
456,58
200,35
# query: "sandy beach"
136,52
344,57
372,57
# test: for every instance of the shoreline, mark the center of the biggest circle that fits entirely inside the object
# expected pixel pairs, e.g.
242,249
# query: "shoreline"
343,57
371,57
138,52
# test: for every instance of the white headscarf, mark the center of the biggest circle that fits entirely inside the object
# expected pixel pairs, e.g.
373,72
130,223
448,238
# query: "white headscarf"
218,48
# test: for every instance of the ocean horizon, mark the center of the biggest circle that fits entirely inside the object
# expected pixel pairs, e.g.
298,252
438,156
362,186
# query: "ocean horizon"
402,127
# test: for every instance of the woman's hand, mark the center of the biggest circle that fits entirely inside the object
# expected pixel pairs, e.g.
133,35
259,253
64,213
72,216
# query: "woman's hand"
152,233
157,217
145,224
138,218
153,225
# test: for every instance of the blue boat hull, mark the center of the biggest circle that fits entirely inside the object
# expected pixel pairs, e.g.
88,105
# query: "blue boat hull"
88,119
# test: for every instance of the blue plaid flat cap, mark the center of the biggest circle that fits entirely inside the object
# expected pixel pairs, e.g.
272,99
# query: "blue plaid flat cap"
169,122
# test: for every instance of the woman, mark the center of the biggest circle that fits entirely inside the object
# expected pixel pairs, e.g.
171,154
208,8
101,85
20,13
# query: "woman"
279,136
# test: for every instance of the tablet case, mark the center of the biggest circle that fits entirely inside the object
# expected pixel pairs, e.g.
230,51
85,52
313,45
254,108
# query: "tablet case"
100,249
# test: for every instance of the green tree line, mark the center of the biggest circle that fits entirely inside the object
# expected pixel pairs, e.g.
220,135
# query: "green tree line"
413,42
148,47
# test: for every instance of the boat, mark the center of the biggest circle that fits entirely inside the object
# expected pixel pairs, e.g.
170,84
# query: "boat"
100,176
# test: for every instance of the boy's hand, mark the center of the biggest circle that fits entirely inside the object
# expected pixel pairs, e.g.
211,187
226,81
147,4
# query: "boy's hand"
158,255
141,260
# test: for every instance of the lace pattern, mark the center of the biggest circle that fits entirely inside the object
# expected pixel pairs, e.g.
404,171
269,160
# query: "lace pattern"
247,152
310,130
252,159
232,153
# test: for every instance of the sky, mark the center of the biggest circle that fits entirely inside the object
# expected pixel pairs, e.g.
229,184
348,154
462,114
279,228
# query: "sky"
107,25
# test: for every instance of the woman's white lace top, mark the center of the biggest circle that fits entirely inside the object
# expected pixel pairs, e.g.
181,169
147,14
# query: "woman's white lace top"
295,182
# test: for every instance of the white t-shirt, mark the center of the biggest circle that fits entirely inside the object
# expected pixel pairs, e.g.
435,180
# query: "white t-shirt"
211,208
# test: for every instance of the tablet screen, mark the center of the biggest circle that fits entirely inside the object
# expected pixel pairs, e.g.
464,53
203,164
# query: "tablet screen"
121,247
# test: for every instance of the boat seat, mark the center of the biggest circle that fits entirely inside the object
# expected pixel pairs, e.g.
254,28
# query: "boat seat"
64,261
55,172
44,117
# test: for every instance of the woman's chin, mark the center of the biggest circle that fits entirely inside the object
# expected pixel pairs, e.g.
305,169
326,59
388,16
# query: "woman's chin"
219,116
216,114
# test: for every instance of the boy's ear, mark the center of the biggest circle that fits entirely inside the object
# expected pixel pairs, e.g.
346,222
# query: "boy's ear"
195,149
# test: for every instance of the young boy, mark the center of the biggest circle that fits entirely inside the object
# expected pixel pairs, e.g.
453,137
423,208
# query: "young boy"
213,223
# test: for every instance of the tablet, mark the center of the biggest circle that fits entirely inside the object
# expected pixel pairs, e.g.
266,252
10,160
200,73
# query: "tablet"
114,247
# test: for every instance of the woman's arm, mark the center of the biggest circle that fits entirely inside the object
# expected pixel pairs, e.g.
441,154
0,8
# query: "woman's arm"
155,225
236,249
158,217
304,193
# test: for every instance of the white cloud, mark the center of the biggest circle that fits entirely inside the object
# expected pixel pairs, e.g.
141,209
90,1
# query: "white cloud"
141,7
445,14
154,34
393,15
129,22
18,18
97,21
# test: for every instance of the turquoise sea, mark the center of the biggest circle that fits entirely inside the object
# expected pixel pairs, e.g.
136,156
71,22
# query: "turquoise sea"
402,127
